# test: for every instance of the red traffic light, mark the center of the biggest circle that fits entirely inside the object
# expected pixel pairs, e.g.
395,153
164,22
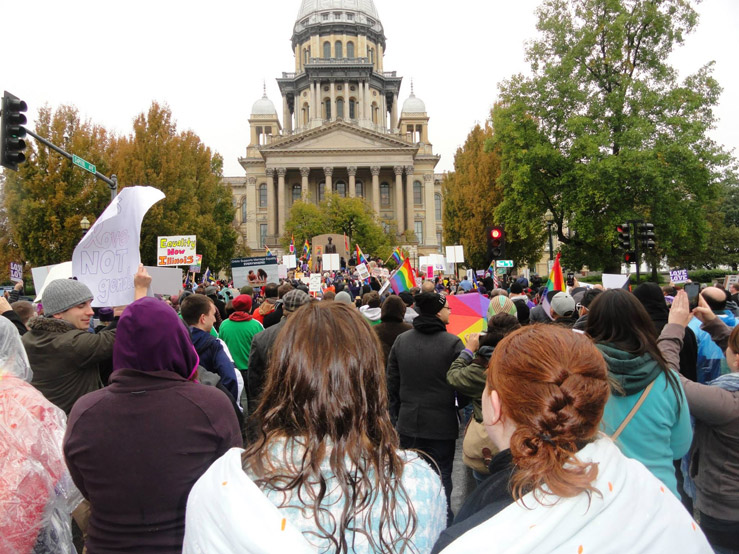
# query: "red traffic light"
629,257
496,233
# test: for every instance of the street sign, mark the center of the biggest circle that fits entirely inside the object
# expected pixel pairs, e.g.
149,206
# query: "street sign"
87,166
501,271
504,263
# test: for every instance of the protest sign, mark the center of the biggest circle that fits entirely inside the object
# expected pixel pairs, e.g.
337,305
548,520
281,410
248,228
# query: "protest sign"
363,271
430,272
16,272
613,281
455,254
165,280
679,276
255,272
198,262
107,257
439,262
176,250
305,280
331,262
282,271
44,275
730,280
314,283
425,261
289,261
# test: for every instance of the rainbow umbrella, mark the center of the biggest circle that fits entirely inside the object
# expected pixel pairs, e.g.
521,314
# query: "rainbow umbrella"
469,313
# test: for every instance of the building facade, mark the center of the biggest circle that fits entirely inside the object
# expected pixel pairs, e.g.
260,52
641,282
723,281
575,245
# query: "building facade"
341,130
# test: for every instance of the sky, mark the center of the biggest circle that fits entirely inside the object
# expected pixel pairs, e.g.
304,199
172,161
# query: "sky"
208,62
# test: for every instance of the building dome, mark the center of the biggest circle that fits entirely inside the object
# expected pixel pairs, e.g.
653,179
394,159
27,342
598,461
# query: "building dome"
263,106
320,13
366,7
413,105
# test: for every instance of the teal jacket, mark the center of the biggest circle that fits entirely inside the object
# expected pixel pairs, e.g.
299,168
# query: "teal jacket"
660,431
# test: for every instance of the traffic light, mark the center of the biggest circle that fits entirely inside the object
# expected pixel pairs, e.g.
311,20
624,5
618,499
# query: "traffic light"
624,236
646,234
12,132
630,257
496,241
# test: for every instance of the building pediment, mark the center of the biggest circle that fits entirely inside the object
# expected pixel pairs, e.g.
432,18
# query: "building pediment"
336,137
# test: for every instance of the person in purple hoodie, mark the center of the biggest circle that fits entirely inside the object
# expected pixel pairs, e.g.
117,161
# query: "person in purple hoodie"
135,448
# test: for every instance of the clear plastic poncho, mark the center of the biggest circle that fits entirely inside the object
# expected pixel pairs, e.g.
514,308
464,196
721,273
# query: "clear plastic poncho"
37,494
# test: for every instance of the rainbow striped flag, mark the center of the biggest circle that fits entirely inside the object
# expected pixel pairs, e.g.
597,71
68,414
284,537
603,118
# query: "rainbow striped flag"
491,267
346,242
292,244
556,278
398,255
267,251
306,250
360,257
403,279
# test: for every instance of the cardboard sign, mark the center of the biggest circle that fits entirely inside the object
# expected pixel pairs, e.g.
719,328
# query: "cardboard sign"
439,262
730,280
363,271
455,254
46,274
176,250
165,280
289,261
107,257
198,262
613,281
16,272
679,276
331,262
314,283
255,272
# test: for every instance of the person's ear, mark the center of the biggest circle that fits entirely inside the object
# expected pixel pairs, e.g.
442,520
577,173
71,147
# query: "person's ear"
497,410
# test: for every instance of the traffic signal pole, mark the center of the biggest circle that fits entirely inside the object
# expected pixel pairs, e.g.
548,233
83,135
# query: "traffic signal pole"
112,182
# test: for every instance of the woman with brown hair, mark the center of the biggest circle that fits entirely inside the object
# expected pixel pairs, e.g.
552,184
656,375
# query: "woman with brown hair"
560,483
326,473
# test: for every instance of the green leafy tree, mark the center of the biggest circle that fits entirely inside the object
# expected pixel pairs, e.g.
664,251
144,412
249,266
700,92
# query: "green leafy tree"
45,200
189,174
603,132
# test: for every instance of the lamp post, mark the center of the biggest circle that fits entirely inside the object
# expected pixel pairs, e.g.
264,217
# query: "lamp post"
84,225
549,218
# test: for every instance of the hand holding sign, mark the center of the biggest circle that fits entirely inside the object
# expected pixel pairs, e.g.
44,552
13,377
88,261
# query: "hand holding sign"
141,282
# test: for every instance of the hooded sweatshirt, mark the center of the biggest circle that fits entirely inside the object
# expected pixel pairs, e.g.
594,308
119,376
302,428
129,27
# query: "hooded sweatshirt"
371,314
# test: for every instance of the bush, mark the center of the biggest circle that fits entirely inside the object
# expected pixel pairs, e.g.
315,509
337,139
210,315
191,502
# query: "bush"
707,275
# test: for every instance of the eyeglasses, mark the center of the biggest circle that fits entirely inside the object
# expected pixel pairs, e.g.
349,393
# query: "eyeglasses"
446,307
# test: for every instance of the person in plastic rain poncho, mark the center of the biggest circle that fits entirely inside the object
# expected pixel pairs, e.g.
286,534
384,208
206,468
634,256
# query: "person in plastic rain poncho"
37,495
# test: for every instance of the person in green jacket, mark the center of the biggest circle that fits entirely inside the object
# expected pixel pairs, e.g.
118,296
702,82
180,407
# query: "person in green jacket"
238,332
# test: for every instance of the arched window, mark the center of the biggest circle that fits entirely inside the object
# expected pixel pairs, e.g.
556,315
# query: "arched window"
338,49
384,195
306,55
326,49
340,187
263,195
340,108
352,108
327,108
437,206
418,230
417,193
359,188
321,191
297,192
349,49
243,210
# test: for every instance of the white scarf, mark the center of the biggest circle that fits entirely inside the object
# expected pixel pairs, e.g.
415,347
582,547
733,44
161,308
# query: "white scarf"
636,513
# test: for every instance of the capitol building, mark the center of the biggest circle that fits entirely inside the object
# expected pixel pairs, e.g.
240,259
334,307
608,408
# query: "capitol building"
340,128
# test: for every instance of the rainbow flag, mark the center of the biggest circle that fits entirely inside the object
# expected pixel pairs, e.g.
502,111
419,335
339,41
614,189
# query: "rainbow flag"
491,267
267,251
403,279
306,250
360,257
292,244
398,255
346,242
556,278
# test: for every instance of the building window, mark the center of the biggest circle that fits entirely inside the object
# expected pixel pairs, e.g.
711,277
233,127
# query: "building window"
297,192
439,241
327,108
374,113
418,230
437,207
263,195
338,49
385,195
352,109
326,47
324,16
417,193
359,188
349,48
341,188
243,211
350,17
340,108
371,55
306,114
321,191
262,234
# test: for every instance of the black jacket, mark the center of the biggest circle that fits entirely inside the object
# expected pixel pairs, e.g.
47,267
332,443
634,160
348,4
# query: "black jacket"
388,331
422,403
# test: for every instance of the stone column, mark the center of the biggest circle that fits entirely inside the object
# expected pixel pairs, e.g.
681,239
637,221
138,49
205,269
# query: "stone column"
271,207
287,122
352,171
304,172
367,102
428,195
360,100
281,204
333,101
252,231
376,189
399,198
394,116
347,94
409,197
328,172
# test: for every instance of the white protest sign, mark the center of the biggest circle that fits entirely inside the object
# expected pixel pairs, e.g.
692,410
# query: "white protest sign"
331,262
305,280
314,283
44,275
16,272
107,257
678,276
425,261
363,272
176,250
282,271
289,261
470,274
165,280
439,262
730,280
613,281
455,254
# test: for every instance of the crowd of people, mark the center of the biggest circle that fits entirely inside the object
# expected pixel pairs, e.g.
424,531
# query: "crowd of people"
274,419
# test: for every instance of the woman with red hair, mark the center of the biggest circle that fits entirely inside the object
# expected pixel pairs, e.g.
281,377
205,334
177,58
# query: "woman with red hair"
558,483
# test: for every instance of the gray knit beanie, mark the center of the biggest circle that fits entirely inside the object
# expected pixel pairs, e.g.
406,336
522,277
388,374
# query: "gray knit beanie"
62,294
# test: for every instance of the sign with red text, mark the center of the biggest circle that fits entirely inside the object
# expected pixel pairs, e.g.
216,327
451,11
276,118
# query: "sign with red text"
176,250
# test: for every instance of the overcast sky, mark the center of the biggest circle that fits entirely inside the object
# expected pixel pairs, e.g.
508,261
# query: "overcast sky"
208,61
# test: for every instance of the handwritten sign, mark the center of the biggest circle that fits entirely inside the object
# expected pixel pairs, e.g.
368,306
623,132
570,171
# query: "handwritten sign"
107,257
314,282
363,271
198,262
678,276
16,272
176,250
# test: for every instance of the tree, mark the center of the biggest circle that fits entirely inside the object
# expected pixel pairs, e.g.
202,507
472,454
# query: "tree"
48,196
602,131
189,174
